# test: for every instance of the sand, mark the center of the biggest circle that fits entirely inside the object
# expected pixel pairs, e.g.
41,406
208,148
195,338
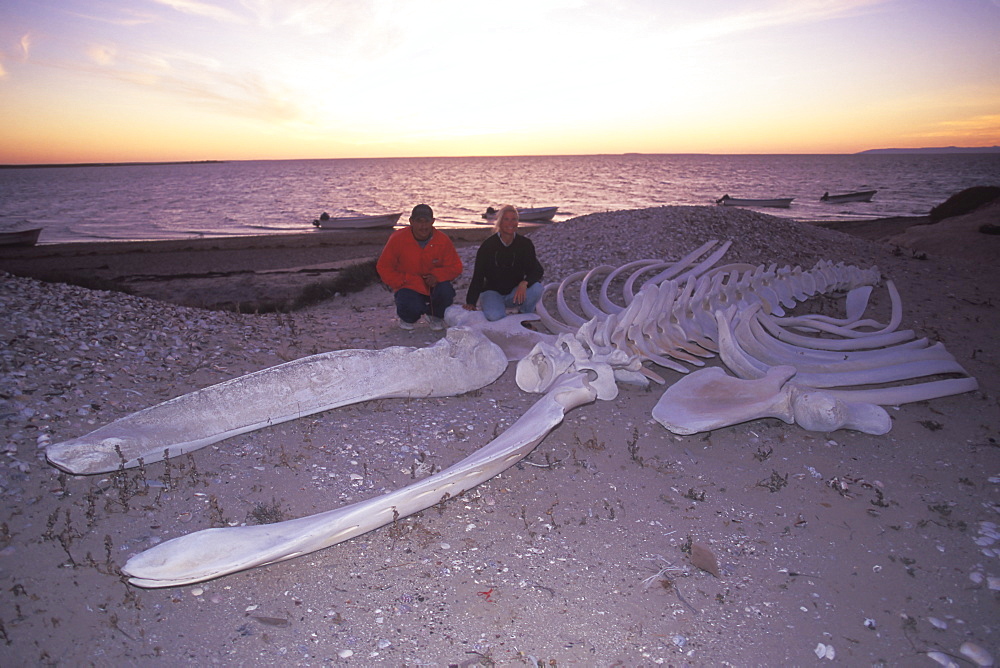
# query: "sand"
875,546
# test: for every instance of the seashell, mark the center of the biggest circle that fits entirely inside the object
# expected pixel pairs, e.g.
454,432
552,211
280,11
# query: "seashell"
942,659
703,558
993,582
976,654
825,651
937,623
280,622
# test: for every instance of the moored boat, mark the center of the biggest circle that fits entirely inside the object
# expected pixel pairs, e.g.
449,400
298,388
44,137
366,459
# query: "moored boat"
20,237
328,222
539,214
860,196
781,202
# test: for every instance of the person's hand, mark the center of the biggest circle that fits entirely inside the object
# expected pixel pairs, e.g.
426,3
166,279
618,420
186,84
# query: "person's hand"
520,292
429,281
469,307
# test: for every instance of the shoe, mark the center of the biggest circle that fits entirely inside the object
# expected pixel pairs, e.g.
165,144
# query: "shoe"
405,325
437,324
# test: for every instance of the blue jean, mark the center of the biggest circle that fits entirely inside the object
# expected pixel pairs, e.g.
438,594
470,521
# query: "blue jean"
495,305
410,304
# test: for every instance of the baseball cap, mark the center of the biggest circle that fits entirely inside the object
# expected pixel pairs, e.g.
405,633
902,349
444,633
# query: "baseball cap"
422,211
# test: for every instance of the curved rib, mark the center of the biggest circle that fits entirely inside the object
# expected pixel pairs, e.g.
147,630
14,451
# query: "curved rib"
565,312
606,304
586,305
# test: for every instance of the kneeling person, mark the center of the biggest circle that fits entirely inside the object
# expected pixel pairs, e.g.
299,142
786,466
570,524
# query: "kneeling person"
508,273
419,263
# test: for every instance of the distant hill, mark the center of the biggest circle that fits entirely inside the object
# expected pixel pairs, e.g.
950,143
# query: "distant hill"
939,149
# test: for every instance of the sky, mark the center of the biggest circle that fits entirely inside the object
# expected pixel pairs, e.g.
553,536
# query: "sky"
165,80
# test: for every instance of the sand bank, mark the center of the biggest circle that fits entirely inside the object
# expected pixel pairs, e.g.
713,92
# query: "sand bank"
876,546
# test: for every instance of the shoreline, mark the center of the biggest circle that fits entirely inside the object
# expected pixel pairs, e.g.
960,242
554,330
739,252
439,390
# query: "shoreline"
310,239
878,229
246,272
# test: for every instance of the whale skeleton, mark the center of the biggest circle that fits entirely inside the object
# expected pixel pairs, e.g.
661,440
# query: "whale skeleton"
820,372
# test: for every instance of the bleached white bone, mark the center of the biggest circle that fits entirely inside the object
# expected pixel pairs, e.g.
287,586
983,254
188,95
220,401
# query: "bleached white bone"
676,314
514,339
727,309
710,399
210,553
735,356
463,361
608,306
762,345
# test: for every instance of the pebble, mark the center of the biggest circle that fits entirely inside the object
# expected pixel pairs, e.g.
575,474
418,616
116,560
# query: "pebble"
976,654
345,653
197,591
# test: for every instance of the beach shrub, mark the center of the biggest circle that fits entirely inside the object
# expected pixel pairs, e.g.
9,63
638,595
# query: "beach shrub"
353,278
964,202
86,282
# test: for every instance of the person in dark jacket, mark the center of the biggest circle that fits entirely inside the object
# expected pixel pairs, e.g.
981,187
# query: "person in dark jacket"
507,273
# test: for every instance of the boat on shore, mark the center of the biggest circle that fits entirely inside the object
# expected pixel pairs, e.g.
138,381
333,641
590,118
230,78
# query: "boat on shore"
20,237
539,214
328,222
779,202
860,196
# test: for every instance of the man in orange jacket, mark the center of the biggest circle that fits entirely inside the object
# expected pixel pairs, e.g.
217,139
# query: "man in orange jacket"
419,263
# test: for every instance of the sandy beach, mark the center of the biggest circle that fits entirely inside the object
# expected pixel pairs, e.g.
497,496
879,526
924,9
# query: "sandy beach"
841,548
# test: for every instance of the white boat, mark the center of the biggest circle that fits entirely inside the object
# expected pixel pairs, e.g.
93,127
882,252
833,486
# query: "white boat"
328,222
781,202
20,237
860,196
539,214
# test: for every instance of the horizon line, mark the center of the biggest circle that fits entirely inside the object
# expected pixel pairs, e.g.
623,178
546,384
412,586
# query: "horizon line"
138,163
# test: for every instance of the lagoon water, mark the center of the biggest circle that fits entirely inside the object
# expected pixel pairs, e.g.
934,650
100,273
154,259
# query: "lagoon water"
212,199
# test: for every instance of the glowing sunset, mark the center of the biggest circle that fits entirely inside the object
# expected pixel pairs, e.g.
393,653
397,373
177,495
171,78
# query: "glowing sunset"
192,79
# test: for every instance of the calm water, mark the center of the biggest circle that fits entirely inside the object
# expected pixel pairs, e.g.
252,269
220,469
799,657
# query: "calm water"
266,197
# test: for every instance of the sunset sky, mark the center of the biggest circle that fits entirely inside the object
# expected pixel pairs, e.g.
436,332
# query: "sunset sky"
159,80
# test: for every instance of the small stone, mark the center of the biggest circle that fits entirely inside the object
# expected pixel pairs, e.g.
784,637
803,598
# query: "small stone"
942,659
345,653
976,654
197,591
